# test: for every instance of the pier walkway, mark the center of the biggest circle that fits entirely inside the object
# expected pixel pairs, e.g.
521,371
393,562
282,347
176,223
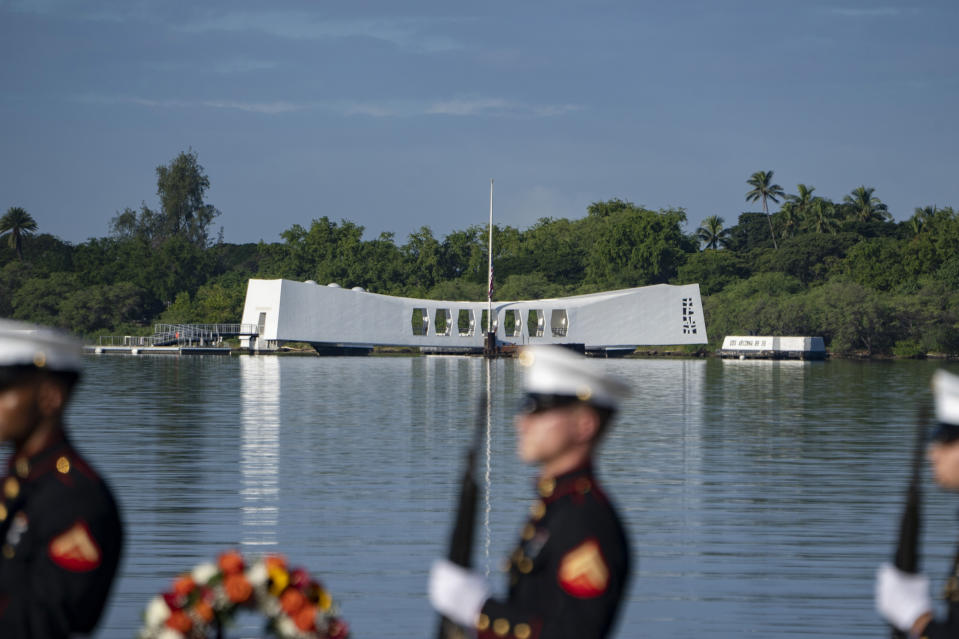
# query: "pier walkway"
176,339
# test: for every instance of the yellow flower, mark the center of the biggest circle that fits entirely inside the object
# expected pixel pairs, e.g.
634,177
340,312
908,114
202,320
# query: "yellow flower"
325,600
280,579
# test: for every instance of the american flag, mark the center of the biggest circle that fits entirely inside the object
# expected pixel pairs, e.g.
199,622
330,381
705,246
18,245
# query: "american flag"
490,295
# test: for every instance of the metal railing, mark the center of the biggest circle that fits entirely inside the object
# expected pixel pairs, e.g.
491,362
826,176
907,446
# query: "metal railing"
182,334
167,334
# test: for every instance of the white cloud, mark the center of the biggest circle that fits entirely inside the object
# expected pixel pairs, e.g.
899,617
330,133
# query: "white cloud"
456,107
875,12
407,33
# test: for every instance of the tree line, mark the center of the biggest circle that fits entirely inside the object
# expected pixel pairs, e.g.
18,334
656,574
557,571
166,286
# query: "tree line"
843,270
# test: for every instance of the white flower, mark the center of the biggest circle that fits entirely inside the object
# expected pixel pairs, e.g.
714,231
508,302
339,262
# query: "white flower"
156,613
170,633
257,574
286,627
204,572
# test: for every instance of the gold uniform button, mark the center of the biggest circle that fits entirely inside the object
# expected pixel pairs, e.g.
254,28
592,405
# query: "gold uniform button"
482,623
525,565
11,488
583,485
63,465
23,467
538,510
500,627
3,512
546,487
522,631
8,551
528,531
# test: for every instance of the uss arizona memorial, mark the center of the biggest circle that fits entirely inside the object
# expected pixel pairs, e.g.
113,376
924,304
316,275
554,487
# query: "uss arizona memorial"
338,320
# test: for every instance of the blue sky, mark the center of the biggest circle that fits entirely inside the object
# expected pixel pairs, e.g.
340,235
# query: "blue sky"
396,115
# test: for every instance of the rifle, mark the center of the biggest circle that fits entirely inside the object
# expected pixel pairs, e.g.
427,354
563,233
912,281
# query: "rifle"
461,541
907,550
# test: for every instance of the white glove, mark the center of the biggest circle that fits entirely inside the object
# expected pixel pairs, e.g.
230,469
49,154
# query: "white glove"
457,593
901,597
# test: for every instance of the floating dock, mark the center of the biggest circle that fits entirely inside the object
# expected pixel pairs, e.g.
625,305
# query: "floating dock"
770,347
158,350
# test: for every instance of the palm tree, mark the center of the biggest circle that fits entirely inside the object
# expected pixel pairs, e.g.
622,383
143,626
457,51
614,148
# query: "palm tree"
864,207
763,189
711,233
822,216
921,217
803,199
790,217
17,223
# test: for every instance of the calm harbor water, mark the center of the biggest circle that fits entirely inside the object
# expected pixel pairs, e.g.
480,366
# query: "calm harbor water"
759,496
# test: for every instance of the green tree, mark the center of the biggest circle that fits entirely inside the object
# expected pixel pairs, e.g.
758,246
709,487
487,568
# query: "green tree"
803,199
713,270
711,232
460,289
555,248
12,277
763,189
16,224
423,255
101,307
38,299
182,186
528,286
636,247
852,318
797,209
790,219
822,216
920,218
750,232
863,206
809,257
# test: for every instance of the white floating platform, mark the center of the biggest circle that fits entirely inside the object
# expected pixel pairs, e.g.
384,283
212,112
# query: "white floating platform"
769,347
157,350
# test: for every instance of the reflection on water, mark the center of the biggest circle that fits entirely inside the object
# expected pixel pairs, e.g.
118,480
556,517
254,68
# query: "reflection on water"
759,496
260,449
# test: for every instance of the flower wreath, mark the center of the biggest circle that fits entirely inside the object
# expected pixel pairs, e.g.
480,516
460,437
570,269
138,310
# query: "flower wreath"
207,599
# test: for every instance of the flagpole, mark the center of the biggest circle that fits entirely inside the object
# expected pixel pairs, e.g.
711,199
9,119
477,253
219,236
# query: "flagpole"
489,312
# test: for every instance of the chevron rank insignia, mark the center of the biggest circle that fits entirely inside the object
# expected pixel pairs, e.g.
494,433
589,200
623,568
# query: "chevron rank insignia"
75,550
583,572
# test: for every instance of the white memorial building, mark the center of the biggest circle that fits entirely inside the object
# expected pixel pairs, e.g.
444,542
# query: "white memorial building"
338,320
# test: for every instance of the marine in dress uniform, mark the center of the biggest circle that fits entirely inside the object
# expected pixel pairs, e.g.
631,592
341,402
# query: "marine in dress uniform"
903,599
60,531
569,570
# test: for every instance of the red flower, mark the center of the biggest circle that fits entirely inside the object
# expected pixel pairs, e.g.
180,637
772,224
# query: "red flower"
183,586
299,578
291,601
305,618
172,601
237,588
275,561
178,620
203,610
231,562
338,629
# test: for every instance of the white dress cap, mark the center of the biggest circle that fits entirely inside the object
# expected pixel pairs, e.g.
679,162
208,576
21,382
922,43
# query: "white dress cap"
554,370
23,344
945,387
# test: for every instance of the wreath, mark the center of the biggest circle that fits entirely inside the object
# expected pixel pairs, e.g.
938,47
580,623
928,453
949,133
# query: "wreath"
203,602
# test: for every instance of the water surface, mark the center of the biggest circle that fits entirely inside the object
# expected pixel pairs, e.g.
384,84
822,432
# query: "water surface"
759,496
